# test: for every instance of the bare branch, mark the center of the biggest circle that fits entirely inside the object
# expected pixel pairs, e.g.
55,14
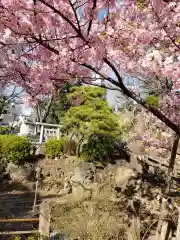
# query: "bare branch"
75,14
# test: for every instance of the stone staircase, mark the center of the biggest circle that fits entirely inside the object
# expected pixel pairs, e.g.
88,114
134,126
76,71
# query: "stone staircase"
16,202
16,205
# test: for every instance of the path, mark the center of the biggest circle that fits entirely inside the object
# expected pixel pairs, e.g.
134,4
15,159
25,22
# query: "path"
16,202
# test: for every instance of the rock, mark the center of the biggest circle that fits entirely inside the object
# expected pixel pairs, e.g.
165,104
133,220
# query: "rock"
78,176
83,174
81,181
19,173
152,169
123,174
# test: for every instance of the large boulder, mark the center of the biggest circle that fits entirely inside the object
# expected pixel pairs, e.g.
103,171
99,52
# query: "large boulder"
123,174
19,173
81,180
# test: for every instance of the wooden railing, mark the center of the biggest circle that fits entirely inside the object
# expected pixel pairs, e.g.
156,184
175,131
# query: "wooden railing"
19,220
20,231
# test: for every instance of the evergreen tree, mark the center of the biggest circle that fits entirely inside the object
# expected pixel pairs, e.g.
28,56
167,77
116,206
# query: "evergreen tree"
89,113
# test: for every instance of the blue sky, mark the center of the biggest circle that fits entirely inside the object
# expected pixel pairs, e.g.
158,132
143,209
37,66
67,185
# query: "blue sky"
111,95
102,13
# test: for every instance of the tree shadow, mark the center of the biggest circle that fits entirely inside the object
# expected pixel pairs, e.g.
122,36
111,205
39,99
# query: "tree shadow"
157,177
119,156
8,186
150,179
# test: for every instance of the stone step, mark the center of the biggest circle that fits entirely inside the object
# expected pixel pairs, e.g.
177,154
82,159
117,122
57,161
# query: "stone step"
23,226
16,205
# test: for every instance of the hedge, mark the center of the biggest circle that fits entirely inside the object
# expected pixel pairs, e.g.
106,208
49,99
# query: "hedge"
54,147
14,148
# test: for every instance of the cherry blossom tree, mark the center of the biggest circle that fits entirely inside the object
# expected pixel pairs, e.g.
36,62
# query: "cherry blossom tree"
46,43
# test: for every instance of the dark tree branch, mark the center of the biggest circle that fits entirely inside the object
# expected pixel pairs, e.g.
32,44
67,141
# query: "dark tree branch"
45,44
156,112
65,18
75,14
90,22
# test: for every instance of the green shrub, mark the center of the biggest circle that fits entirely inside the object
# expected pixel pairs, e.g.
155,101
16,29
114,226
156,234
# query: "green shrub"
152,101
4,130
103,148
31,238
19,238
14,148
16,238
97,148
54,147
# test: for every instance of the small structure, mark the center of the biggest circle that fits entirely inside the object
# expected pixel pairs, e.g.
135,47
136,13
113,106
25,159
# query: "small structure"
46,130
42,130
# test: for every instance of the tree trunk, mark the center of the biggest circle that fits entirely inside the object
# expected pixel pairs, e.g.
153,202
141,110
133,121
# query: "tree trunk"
38,113
172,163
78,149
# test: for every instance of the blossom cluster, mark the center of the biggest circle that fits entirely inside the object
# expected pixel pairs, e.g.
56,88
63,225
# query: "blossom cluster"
45,43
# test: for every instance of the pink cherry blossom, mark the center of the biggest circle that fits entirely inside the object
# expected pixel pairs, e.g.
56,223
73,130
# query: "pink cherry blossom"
46,43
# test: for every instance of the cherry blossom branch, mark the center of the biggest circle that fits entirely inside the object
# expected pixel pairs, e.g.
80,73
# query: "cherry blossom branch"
80,5
46,45
172,40
60,14
135,97
64,17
